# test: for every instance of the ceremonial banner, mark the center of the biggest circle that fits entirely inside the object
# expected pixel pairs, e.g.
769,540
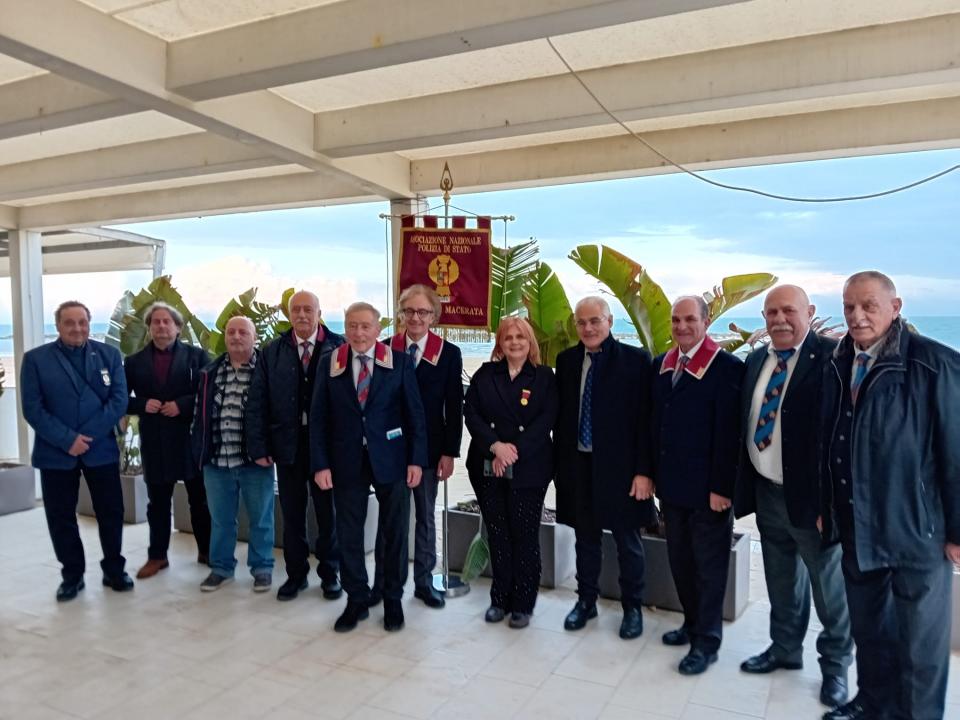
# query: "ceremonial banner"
455,262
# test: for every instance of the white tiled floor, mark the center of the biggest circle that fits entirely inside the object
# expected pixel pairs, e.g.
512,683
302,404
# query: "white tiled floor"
168,651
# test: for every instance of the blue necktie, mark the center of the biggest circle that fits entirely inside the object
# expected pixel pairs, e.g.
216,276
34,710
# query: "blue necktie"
412,352
585,436
859,375
763,435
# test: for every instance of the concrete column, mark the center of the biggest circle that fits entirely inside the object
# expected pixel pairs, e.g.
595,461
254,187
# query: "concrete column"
26,290
398,208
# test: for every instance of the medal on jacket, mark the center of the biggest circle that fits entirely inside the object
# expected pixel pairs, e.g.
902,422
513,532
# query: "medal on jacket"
524,397
105,374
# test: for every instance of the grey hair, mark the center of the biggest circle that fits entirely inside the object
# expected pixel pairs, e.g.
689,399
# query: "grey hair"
701,305
884,280
174,313
304,292
594,300
428,292
361,307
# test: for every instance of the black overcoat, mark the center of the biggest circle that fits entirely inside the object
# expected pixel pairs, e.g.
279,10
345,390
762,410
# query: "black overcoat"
165,448
621,433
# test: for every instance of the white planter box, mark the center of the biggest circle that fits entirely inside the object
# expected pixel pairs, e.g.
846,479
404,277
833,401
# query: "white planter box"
134,499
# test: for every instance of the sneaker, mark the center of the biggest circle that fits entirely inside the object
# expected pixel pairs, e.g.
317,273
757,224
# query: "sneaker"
214,582
262,582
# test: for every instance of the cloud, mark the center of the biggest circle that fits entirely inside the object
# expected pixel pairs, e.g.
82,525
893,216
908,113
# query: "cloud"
206,287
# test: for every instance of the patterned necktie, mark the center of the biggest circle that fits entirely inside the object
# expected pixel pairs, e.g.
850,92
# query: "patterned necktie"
859,375
363,381
412,352
763,435
678,371
585,435
305,358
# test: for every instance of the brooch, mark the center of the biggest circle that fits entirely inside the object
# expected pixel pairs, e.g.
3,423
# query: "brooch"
524,397
105,375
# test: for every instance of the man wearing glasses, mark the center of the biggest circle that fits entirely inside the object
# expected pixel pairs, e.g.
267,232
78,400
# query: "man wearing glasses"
439,368
603,459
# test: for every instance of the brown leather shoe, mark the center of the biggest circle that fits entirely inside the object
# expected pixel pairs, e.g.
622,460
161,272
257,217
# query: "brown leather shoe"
151,568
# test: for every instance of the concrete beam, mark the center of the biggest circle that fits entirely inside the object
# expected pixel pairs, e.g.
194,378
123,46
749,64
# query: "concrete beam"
906,127
304,189
176,157
9,217
48,102
276,125
348,37
898,62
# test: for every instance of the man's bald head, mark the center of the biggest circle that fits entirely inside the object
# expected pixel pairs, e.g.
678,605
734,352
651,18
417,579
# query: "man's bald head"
304,311
241,336
788,313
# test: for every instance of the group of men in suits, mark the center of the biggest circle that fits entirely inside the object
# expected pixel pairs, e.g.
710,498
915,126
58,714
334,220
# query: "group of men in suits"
845,452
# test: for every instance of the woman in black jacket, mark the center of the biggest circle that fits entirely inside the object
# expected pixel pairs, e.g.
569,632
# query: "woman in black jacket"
510,410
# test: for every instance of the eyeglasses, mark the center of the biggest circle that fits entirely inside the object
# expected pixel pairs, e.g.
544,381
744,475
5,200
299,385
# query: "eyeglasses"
408,313
593,322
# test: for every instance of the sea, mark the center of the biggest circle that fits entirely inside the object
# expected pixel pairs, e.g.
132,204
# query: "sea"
945,329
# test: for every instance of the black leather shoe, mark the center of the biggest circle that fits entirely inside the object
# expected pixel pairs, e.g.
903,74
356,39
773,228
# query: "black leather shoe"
121,583
494,614
291,588
374,598
431,597
696,661
352,614
577,618
676,637
332,590
519,620
853,710
632,625
68,590
765,663
392,615
833,691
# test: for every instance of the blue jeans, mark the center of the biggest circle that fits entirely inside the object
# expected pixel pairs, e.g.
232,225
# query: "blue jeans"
224,488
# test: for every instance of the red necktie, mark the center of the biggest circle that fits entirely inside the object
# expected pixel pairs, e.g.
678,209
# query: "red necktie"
305,358
363,381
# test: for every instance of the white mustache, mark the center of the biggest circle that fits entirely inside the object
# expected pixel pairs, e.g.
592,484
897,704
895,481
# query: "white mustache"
778,328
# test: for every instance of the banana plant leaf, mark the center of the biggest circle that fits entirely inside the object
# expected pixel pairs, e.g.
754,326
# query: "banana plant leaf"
736,289
476,559
509,268
127,330
643,299
549,312
269,320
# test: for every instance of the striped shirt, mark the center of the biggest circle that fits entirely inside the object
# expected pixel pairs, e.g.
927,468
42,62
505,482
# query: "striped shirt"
229,401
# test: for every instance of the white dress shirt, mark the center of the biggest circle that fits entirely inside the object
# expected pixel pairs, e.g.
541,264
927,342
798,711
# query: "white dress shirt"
421,347
871,351
769,461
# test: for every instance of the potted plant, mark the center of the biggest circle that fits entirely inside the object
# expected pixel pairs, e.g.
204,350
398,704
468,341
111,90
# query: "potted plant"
131,476
17,482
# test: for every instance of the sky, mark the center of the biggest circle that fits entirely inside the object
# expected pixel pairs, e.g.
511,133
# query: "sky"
687,234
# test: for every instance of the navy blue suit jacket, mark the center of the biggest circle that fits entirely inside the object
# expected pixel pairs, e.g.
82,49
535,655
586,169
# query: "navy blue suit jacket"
338,425
696,428
59,404
440,378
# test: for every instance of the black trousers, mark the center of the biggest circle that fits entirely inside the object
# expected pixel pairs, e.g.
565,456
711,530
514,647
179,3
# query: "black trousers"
424,535
295,485
900,618
698,546
589,545
159,497
512,517
60,491
350,496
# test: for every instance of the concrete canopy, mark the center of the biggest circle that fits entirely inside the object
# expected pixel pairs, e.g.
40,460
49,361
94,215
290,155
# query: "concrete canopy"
122,110
92,250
